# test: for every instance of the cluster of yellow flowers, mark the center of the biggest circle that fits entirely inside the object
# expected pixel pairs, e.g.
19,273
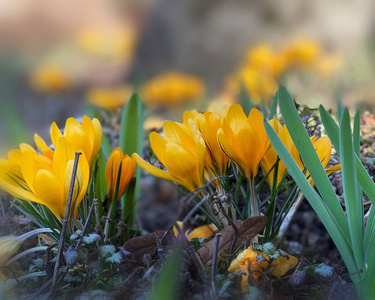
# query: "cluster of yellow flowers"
204,144
44,177
263,68
171,88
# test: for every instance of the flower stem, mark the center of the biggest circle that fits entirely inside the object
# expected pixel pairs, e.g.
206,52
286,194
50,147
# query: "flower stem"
253,206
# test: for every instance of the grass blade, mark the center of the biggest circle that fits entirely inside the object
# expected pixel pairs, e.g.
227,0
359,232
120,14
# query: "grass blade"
354,206
320,207
310,157
131,141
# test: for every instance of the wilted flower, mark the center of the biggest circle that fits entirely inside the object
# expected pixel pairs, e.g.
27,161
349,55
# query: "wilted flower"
171,88
109,98
182,152
116,161
248,259
86,136
50,78
200,232
45,178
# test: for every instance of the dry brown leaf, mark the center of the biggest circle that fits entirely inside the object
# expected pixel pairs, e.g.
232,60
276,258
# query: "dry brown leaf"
247,230
146,244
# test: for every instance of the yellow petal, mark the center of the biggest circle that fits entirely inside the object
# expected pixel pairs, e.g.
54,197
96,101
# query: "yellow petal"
283,265
55,133
157,144
49,189
151,169
127,173
79,140
41,144
333,169
323,148
232,153
200,232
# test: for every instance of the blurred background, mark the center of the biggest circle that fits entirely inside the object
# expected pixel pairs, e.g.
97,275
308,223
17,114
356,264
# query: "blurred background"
59,57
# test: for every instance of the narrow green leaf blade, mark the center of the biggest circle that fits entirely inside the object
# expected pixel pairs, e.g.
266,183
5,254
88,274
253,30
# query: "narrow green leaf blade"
165,286
354,206
310,157
131,141
335,230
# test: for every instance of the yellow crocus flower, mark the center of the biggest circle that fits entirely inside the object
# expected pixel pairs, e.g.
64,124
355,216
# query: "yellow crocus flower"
208,124
115,160
323,147
50,78
39,178
243,139
270,157
86,136
182,152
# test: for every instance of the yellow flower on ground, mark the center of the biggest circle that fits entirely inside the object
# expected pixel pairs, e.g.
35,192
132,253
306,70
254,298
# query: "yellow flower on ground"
115,160
182,152
152,123
270,157
248,259
39,178
208,124
171,88
86,136
244,139
109,98
200,232
50,78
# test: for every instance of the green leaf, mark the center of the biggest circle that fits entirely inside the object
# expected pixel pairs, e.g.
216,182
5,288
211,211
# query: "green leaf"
353,204
363,177
165,285
131,141
320,207
273,108
310,157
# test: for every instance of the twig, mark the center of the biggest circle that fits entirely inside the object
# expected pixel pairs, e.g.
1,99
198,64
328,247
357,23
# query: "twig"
94,203
194,209
213,268
65,222
288,218
197,262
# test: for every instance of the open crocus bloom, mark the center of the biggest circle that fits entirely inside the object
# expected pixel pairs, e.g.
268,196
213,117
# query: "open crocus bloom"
115,160
86,136
270,157
45,179
182,151
243,139
208,124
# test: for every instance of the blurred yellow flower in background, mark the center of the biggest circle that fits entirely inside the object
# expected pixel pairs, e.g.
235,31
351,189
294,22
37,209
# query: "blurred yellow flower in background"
118,160
302,53
50,78
109,98
45,179
171,88
182,152
116,43
248,259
